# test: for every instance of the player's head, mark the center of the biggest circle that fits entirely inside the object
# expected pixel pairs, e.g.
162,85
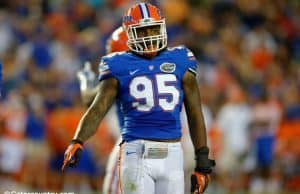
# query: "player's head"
117,42
145,28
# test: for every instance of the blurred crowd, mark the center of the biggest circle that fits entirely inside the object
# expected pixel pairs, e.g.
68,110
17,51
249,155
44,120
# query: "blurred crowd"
249,75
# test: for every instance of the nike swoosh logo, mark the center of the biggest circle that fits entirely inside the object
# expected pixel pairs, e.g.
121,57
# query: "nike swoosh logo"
128,153
133,72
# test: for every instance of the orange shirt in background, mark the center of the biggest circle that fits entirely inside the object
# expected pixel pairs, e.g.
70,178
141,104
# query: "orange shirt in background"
62,124
288,137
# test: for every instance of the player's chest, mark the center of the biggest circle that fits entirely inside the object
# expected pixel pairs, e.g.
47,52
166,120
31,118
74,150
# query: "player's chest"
152,84
151,68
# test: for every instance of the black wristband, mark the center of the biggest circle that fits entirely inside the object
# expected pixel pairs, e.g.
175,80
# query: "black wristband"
203,163
73,141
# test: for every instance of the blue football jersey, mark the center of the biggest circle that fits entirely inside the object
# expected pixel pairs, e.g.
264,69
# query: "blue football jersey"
150,91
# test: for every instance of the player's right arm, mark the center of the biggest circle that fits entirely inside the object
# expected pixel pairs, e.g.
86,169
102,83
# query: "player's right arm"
105,97
90,121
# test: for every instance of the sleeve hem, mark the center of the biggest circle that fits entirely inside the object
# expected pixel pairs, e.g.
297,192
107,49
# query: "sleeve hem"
193,71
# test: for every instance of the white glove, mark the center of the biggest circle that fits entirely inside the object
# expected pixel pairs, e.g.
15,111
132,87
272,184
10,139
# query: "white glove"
86,77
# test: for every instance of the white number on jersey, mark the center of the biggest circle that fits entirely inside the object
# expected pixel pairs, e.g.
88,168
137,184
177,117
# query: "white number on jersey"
148,93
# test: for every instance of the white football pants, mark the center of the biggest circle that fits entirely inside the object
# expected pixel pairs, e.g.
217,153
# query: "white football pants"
149,167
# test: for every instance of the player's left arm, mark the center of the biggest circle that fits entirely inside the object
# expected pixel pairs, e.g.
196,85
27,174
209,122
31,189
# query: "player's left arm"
192,102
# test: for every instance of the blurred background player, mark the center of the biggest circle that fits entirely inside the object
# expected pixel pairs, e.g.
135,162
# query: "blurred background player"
151,82
12,140
88,88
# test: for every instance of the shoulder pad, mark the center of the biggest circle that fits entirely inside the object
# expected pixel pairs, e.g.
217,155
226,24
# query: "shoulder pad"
111,55
180,47
185,51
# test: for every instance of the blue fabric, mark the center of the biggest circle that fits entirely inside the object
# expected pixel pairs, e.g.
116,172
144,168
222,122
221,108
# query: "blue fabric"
56,162
41,55
293,112
35,127
87,165
296,47
146,116
265,150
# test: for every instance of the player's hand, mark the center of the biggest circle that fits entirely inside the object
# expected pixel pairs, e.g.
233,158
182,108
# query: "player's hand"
204,166
199,182
72,154
86,77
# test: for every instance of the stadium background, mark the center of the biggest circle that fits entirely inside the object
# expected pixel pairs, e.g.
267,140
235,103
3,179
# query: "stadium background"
249,54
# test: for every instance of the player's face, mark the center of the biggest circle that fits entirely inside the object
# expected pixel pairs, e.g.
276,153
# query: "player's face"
148,31
145,29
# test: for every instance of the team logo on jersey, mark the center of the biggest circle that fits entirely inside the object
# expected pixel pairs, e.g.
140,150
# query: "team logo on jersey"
168,67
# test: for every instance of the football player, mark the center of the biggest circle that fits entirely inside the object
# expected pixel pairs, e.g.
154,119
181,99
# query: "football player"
151,82
88,89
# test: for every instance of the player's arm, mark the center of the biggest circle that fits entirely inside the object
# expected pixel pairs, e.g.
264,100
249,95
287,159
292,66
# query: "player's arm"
192,102
91,119
104,99
193,108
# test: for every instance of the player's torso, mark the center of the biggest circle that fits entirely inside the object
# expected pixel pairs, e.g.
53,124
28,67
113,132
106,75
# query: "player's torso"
150,94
